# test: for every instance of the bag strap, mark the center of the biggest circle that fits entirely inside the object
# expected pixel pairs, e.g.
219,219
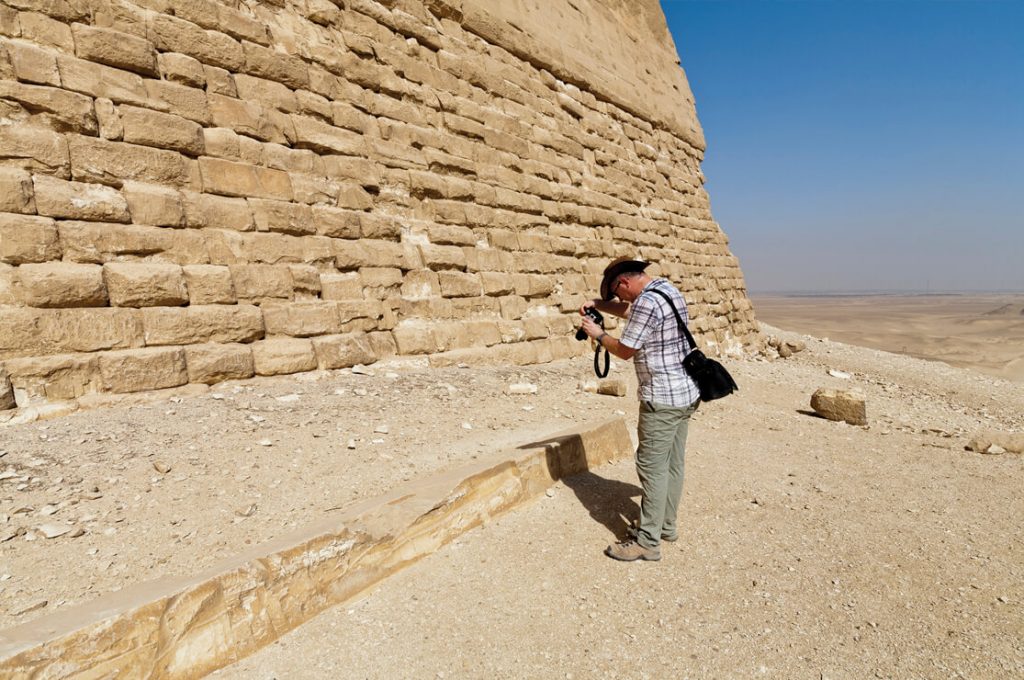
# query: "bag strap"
679,318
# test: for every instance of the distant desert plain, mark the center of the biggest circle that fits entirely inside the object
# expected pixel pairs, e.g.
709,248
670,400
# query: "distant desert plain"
981,332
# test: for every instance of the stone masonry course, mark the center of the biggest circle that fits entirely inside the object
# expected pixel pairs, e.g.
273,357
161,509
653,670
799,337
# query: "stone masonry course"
192,191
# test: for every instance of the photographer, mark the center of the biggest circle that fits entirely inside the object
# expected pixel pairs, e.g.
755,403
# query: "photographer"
668,396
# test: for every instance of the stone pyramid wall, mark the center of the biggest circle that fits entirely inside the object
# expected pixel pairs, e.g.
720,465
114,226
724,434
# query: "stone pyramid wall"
192,191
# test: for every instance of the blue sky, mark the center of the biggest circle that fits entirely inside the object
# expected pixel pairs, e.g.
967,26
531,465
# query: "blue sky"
862,145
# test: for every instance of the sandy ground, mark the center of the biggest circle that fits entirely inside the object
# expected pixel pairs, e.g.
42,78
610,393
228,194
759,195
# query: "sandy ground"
810,549
983,332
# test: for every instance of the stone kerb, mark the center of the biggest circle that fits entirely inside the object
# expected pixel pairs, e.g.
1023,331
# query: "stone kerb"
188,627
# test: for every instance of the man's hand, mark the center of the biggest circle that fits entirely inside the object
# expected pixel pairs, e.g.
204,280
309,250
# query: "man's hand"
590,328
588,305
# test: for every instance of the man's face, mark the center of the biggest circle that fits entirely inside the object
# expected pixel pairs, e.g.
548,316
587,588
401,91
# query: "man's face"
624,287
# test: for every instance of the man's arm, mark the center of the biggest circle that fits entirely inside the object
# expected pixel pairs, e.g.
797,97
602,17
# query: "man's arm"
614,346
615,307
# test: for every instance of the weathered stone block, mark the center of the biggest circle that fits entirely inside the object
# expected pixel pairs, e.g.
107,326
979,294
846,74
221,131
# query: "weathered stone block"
246,117
322,137
261,281
496,283
181,68
335,222
459,284
61,284
97,80
414,336
219,81
68,111
301,319
7,400
33,64
34,149
115,48
840,405
344,351
217,212
105,162
242,179
209,284
154,205
53,378
27,238
44,30
443,257
282,216
381,277
201,323
305,280
273,65
135,370
213,363
171,34
184,101
26,331
79,200
163,130
108,120
104,242
16,191
341,286
280,356
144,284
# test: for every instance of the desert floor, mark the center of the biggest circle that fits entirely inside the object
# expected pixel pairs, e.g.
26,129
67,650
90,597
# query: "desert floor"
983,332
810,548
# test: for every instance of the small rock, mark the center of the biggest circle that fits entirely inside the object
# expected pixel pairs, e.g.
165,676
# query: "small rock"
256,419
162,468
467,426
9,534
995,449
77,533
217,395
359,369
381,429
612,388
32,607
351,443
983,441
247,512
550,493
48,510
521,388
840,405
796,345
843,375
588,386
265,442
360,392
53,530
288,398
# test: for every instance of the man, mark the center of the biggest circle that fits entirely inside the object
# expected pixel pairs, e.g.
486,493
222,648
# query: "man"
668,396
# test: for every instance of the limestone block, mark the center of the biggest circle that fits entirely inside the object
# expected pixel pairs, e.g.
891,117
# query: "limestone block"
61,284
413,336
335,222
379,226
163,130
184,101
212,363
34,149
512,307
79,200
108,120
449,234
25,331
242,179
354,197
276,66
53,378
996,442
222,143
7,400
261,281
322,137
154,205
16,192
70,111
201,323
840,405
246,117
145,284
421,284
219,81
33,64
106,162
209,284
301,319
344,351
217,212
280,356
97,80
282,216
27,238
135,370
382,344
115,48
496,283
381,277
181,68
305,280
271,94
171,34
41,29
459,284
349,310
443,257
346,286
103,242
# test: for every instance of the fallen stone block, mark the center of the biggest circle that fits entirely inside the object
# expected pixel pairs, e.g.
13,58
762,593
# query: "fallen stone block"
840,405
613,388
7,400
989,441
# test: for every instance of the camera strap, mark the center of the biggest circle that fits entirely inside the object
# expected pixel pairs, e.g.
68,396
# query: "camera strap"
597,362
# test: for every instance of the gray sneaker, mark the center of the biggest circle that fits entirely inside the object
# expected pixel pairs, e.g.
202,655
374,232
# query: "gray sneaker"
629,551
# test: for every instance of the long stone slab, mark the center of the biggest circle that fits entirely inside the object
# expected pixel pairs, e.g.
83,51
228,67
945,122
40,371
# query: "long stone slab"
186,627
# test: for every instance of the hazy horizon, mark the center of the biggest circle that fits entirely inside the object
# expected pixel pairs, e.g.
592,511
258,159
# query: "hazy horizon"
862,146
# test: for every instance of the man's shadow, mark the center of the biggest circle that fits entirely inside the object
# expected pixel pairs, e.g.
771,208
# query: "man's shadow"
608,501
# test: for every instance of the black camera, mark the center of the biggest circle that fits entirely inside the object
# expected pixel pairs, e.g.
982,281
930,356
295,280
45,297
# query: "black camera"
598,319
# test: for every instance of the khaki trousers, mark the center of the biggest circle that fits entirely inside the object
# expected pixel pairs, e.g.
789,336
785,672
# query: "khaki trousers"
659,465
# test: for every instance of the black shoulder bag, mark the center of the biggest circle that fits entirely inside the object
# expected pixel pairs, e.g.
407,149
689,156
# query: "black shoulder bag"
713,381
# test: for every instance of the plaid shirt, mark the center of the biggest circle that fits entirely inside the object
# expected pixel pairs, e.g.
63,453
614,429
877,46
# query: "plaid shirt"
652,330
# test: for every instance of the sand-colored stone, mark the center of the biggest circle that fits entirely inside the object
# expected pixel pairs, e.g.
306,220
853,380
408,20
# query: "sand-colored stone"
154,205
16,191
54,378
135,370
79,200
209,284
7,400
279,356
162,130
266,591
211,363
144,284
344,351
27,238
201,323
840,405
989,440
115,48
54,284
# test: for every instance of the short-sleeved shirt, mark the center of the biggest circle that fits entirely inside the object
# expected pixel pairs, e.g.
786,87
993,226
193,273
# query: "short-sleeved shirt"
652,330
